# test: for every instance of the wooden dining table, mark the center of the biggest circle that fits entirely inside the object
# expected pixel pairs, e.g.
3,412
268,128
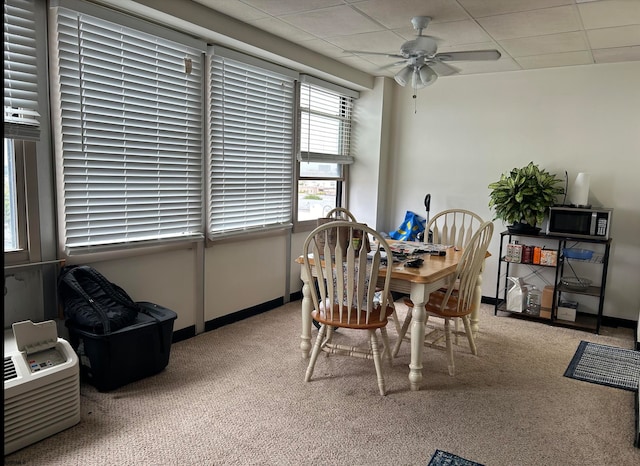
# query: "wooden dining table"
419,282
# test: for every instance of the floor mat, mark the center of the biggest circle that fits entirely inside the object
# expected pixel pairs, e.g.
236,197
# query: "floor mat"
442,458
605,365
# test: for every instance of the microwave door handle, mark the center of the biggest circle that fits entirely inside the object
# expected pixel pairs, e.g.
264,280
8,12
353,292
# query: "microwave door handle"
594,224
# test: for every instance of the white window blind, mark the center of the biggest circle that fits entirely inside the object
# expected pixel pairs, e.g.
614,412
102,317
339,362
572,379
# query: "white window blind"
251,167
130,135
325,124
21,112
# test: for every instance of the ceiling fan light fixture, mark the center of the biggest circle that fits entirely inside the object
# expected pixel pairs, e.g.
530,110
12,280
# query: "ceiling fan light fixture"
416,82
403,76
427,76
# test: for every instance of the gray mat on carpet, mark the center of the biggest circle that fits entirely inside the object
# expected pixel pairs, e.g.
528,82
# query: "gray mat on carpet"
443,458
605,365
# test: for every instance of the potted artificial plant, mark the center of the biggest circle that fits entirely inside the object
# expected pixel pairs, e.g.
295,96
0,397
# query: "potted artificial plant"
522,197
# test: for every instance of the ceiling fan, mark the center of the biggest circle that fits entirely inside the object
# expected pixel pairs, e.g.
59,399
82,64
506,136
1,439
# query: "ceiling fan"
422,63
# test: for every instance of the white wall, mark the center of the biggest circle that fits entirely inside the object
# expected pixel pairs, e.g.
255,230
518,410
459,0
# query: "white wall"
370,146
169,279
464,131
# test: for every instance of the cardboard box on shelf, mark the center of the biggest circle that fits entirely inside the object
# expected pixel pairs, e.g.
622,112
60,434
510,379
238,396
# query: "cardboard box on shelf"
548,257
547,296
567,310
566,313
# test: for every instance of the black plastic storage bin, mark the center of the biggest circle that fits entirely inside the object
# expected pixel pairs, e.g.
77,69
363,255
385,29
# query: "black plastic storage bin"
126,355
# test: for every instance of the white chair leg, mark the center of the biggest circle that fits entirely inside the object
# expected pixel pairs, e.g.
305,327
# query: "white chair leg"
447,334
402,332
396,321
472,340
457,329
376,360
315,352
385,342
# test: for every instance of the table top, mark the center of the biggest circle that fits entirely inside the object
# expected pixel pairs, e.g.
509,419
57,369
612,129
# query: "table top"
432,269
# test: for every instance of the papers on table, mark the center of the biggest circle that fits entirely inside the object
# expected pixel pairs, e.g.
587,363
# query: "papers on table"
402,250
409,248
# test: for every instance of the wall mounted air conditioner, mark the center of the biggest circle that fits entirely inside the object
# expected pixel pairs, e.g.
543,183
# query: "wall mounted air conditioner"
41,384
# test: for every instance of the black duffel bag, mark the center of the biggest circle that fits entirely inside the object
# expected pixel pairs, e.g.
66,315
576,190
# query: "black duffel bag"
93,303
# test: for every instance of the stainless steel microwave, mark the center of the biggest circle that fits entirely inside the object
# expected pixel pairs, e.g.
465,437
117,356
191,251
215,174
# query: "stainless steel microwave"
579,222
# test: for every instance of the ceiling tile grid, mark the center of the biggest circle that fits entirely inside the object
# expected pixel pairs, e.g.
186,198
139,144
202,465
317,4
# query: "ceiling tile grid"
528,33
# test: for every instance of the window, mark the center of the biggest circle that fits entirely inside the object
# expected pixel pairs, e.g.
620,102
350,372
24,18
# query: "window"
21,130
324,133
129,137
251,144
21,237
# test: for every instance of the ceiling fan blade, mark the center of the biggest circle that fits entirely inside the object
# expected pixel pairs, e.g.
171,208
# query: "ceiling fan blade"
443,69
391,65
362,52
469,55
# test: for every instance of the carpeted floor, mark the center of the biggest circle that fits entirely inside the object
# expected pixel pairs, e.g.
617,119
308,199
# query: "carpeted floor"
605,365
236,396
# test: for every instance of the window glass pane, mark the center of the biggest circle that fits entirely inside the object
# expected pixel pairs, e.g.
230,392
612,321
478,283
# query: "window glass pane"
320,170
316,198
10,198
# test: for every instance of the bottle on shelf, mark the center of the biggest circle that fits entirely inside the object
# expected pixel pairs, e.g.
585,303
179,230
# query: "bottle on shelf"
533,300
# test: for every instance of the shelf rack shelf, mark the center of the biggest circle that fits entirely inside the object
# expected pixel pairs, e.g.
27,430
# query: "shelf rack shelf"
583,321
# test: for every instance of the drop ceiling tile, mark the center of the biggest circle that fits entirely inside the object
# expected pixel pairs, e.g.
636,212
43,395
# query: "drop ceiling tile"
479,8
532,23
282,7
333,21
234,8
474,67
556,59
552,43
617,54
282,29
466,47
324,47
458,32
623,36
379,41
398,13
360,63
609,13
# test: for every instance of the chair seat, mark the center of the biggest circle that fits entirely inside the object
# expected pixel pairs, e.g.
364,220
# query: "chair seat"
434,305
375,321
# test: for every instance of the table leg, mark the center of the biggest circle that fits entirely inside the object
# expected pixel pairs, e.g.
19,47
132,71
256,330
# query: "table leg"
307,308
418,315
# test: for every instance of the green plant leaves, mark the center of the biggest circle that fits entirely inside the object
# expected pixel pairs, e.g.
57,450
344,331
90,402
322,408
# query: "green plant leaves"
524,195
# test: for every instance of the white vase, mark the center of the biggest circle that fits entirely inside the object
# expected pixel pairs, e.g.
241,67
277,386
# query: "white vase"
580,191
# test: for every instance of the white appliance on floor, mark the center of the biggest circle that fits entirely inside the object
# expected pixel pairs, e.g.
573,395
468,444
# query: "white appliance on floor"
41,384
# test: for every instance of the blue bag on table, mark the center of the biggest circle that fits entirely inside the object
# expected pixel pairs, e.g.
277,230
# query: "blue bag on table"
412,225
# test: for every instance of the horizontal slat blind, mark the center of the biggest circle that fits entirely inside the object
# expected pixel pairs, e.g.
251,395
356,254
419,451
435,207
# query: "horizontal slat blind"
21,112
325,125
251,146
131,132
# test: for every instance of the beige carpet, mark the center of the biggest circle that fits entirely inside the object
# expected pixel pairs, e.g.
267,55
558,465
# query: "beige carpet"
236,396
